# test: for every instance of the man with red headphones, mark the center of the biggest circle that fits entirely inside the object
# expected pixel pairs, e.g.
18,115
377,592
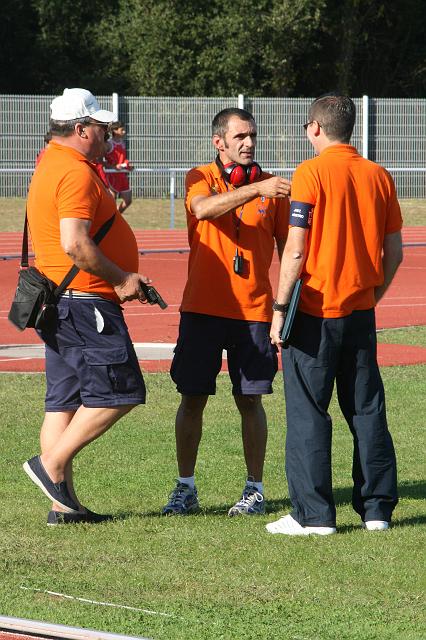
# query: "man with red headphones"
235,215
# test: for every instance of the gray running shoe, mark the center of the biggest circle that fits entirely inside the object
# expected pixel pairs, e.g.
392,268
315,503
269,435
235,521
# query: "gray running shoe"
252,503
182,501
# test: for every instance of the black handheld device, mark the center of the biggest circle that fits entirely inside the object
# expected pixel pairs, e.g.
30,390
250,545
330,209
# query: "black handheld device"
152,295
238,263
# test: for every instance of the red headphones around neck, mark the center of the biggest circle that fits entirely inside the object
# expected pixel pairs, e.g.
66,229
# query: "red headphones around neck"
239,174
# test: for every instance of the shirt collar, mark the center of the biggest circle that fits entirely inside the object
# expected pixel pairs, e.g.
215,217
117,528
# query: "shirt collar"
60,148
340,148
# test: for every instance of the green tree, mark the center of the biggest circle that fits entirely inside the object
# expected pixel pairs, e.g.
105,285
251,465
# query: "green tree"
19,53
379,47
210,47
70,56
215,48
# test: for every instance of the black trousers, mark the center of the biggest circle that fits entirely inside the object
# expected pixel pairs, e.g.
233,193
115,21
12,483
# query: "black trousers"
323,351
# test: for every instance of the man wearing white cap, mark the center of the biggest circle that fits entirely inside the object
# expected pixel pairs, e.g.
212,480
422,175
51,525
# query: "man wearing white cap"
92,372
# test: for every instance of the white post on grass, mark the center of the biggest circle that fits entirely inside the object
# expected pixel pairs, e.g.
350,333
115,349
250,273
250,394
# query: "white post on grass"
365,126
115,105
172,199
241,101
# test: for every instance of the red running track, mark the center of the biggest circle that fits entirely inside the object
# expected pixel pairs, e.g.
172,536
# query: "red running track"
403,305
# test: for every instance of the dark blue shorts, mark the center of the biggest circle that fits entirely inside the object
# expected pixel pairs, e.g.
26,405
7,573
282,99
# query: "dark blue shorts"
90,359
252,359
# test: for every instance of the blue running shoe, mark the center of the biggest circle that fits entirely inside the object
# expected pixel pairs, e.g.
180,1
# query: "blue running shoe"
182,501
251,503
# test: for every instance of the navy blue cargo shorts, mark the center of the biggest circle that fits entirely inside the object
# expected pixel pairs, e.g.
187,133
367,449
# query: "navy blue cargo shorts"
90,359
252,359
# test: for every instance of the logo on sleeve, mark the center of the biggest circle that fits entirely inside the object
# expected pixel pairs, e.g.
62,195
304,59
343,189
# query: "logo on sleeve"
261,208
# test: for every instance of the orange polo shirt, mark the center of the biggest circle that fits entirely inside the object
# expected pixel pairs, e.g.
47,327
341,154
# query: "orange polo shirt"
66,185
354,206
212,287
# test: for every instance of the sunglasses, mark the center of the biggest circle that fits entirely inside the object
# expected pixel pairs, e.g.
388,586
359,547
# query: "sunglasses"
306,125
104,126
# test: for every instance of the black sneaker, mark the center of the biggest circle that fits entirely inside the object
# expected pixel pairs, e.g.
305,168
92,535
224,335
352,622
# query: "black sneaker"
57,492
59,517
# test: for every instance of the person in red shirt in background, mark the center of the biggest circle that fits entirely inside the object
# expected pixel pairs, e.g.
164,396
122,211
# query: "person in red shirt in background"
117,159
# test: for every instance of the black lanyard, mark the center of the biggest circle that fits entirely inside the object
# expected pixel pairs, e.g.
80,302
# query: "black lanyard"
236,217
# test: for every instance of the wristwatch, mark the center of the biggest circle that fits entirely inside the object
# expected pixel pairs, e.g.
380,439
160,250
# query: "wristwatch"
283,308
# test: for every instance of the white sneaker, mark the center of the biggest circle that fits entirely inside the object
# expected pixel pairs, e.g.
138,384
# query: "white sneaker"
375,525
290,527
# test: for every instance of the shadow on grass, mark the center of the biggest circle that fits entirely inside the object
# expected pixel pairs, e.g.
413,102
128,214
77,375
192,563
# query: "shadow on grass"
272,506
342,528
396,524
342,496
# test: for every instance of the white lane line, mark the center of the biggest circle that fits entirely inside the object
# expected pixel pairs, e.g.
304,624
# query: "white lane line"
155,345
405,297
104,604
381,306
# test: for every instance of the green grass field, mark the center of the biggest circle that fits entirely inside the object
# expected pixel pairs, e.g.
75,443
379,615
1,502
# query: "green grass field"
214,577
413,336
155,214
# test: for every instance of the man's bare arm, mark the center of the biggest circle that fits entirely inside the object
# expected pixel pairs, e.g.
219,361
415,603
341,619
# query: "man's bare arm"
290,270
210,207
87,256
392,258
280,247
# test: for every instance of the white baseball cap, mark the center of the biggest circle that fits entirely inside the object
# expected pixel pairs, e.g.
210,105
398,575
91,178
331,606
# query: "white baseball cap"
78,103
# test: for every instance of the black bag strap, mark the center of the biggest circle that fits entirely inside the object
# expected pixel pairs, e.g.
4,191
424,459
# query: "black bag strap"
24,251
69,277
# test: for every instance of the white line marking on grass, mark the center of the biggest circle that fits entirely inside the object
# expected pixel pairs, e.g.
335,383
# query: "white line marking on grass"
104,604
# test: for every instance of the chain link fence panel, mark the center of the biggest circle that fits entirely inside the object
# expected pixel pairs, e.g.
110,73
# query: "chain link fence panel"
166,136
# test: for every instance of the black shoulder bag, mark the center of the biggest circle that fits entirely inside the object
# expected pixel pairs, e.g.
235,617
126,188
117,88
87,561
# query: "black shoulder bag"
36,297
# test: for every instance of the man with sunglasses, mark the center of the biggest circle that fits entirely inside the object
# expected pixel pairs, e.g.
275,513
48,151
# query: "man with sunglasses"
92,372
345,242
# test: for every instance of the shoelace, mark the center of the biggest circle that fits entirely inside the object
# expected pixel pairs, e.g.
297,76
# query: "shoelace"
250,497
177,496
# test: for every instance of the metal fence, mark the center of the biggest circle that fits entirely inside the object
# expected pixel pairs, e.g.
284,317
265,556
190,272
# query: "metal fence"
166,136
